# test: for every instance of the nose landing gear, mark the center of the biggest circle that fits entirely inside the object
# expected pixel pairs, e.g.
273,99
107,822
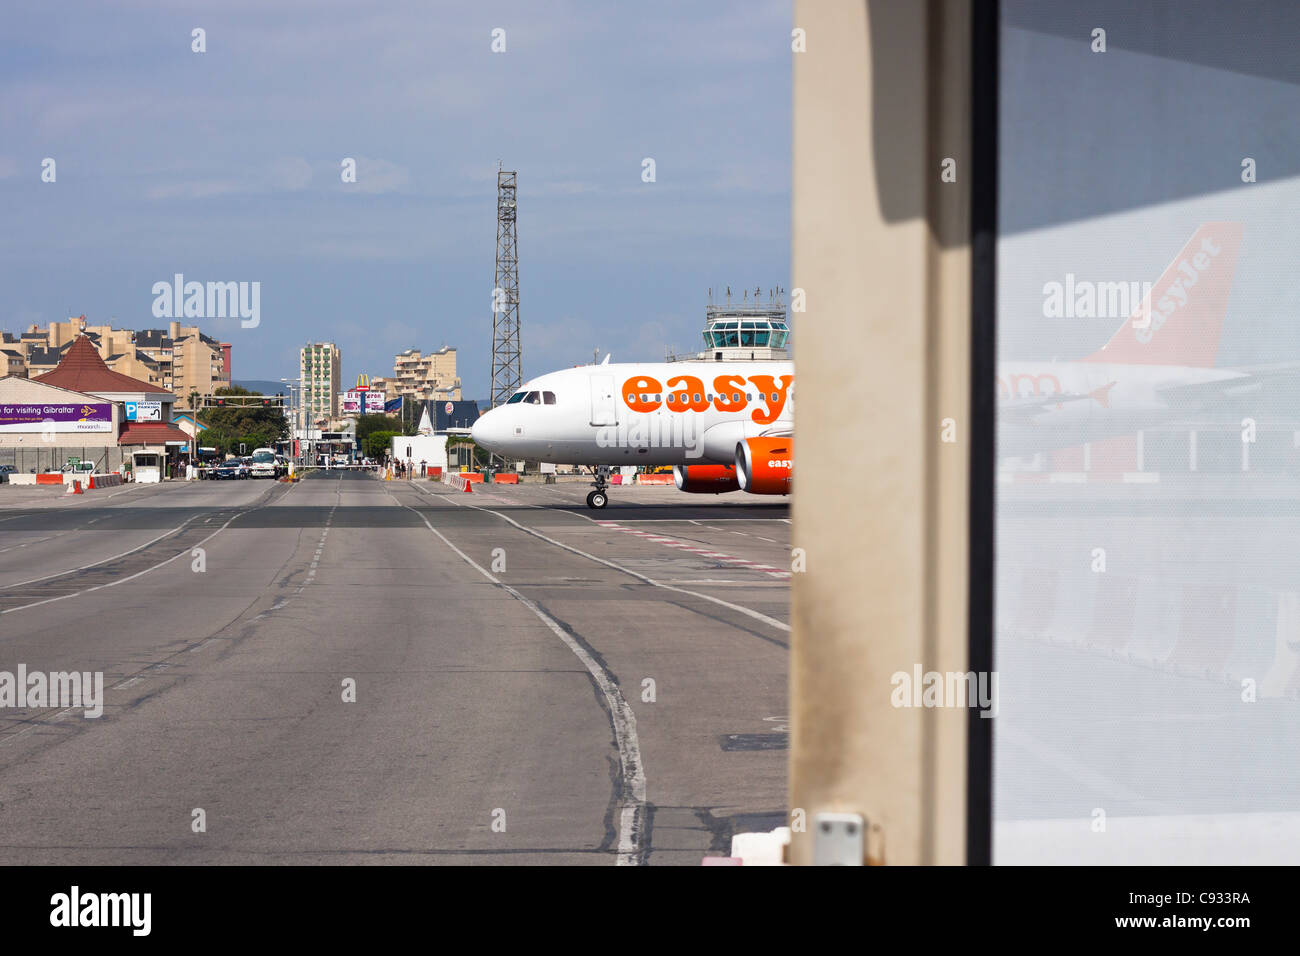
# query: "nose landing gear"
598,498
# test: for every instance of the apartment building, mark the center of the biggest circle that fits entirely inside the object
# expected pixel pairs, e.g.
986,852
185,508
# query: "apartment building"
187,360
12,362
179,359
320,369
420,376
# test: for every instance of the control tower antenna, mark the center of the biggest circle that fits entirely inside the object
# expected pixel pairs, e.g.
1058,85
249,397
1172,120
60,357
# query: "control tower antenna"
507,351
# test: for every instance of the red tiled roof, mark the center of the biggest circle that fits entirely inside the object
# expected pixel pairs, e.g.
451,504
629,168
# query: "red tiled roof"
150,433
82,370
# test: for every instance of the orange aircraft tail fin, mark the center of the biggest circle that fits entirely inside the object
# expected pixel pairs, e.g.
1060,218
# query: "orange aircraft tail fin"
1180,321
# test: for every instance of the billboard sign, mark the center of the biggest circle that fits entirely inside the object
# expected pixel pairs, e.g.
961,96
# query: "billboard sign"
57,417
143,411
361,402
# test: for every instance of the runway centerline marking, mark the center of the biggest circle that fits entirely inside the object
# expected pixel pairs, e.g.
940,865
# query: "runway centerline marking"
632,814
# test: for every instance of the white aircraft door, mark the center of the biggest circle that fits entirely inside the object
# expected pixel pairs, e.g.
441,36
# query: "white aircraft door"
603,408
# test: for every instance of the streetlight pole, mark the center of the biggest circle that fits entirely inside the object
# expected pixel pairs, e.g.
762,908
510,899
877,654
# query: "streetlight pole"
295,406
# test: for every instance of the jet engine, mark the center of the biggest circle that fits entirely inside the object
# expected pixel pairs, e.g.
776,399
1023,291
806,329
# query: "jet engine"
765,466
705,479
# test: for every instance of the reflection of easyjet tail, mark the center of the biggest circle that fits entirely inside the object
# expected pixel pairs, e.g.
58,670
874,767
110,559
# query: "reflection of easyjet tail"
1180,321
1158,368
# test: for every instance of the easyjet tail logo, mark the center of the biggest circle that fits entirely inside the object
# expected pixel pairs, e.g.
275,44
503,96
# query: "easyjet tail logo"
1023,384
730,393
1174,296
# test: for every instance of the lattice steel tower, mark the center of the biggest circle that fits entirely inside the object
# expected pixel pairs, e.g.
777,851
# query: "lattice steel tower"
507,352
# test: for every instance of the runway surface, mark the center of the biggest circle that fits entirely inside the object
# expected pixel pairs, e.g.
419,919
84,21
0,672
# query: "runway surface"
533,682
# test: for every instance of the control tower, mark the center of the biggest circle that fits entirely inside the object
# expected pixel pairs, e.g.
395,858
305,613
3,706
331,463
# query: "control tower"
751,330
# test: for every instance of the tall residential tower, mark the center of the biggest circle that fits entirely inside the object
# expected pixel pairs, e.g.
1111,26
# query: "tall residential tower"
320,369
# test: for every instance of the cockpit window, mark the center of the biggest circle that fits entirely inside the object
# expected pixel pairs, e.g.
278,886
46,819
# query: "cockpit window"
548,398
516,397
533,398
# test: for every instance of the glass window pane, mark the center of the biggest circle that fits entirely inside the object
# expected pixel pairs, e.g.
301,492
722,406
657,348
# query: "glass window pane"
1148,511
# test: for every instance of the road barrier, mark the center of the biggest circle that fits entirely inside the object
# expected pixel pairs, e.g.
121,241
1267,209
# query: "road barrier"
655,479
461,482
105,481
50,478
505,478
74,487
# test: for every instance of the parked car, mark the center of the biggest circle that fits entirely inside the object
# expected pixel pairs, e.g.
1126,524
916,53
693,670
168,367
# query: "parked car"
224,469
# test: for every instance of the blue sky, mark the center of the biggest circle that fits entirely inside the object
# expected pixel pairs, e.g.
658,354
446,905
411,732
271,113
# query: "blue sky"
225,166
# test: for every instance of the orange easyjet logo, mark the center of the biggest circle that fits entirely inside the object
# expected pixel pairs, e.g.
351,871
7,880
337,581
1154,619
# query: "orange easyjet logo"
1013,385
730,393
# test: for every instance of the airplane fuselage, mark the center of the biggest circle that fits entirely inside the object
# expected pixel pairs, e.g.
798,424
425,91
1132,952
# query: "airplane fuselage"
670,413
1100,400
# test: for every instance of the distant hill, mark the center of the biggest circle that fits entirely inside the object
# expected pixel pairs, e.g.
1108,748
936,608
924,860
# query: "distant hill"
262,386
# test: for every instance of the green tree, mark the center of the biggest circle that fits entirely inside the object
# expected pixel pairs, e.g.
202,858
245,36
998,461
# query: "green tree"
255,427
377,443
367,424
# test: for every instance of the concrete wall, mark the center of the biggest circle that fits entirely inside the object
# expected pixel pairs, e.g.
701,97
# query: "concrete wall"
42,456
880,249
429,448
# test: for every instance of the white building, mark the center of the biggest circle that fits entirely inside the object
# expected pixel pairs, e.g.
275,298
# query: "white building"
413,449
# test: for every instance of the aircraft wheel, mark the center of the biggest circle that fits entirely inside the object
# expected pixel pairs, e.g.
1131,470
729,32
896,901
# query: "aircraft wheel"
597,499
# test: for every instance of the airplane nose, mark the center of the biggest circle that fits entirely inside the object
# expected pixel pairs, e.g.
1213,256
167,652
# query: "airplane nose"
487,430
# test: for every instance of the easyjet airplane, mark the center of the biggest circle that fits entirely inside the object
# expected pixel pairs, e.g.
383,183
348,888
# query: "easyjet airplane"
724,426
1159,366
729,426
